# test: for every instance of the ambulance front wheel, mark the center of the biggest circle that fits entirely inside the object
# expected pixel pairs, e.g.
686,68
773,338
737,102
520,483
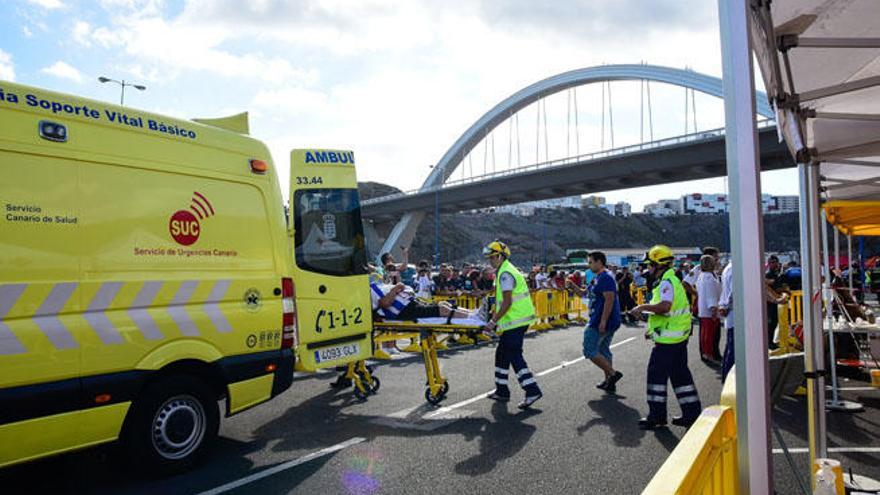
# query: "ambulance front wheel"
172,424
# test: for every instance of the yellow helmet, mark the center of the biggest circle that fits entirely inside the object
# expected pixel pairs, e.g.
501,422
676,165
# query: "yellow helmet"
496,247
659,254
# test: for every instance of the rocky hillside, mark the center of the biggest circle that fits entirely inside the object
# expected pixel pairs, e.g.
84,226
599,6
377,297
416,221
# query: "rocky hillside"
463,235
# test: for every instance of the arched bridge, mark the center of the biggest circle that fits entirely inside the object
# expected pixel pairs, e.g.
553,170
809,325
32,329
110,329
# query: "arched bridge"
695,156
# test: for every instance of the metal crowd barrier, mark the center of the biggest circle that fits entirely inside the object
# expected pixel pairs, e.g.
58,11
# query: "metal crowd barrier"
704,461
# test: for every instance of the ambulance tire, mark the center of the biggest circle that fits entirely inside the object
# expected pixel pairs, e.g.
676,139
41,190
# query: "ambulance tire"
172,425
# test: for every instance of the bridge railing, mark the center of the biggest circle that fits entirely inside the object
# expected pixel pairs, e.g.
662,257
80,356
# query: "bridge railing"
685,138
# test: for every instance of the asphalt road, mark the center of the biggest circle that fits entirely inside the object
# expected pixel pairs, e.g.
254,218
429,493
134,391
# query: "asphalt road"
313,439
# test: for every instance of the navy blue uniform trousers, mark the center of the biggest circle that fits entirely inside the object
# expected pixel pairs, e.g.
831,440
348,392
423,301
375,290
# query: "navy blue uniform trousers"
510,353
669,362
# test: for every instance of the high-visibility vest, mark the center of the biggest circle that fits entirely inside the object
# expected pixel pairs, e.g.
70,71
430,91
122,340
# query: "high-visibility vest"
521,312
675,326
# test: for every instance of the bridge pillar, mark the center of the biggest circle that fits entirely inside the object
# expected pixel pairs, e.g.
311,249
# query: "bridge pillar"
402,234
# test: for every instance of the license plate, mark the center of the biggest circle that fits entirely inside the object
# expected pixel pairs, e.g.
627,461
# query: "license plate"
337,352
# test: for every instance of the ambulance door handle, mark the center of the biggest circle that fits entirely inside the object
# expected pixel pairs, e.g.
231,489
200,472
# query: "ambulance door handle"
322,289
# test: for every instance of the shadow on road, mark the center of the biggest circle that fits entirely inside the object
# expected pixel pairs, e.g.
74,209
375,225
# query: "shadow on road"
500,438
620,418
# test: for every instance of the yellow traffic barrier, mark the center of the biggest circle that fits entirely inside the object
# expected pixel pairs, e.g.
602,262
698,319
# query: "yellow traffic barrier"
728,390
541,301
576,308
788,342
559,308
704,461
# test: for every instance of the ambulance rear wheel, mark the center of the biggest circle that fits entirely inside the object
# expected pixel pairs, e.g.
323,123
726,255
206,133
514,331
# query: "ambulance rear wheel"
172,425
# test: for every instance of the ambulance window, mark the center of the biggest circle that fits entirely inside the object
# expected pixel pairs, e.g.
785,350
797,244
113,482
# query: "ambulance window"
329,235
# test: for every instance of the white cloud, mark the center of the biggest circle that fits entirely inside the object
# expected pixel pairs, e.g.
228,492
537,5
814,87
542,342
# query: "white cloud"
64,71
48,4
7,69
81,31
27,32
107,37
398,81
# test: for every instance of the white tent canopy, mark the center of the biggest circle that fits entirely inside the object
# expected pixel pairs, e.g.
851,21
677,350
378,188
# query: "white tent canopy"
820,60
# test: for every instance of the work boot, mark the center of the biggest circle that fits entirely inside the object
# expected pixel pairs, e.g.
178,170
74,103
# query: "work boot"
683,421
498,397
529,400
648,423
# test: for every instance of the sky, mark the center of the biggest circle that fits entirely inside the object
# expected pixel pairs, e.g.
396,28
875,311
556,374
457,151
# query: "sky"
396,81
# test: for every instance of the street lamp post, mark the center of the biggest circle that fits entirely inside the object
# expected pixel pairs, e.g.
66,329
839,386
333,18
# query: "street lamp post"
122,84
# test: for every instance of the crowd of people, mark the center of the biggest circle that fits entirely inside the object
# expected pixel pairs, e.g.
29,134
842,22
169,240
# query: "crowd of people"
675,295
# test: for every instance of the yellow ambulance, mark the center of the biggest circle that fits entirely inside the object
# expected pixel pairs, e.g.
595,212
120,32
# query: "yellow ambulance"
147,273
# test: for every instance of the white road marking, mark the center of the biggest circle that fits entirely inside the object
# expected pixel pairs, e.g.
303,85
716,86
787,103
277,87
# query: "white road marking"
446,409
842,450
855,389
283,466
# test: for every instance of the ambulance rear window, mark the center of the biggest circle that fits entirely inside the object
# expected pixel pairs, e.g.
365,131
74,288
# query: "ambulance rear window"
329,235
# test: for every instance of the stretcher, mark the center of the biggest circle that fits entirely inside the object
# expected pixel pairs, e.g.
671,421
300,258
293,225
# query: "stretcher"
430,332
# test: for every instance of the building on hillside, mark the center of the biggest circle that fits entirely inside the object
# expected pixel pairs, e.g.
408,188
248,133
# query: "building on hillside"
620,209
664,208
592,201
528,209
786,204
701,204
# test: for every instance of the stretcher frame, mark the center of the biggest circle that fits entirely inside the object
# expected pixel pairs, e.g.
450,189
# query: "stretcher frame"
431,337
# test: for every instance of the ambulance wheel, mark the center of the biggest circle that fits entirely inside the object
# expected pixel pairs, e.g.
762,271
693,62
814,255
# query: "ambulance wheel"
172,424
433,399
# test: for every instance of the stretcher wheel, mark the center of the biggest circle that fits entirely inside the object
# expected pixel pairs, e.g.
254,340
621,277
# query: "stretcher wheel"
433,399
445,389
374,387
361,396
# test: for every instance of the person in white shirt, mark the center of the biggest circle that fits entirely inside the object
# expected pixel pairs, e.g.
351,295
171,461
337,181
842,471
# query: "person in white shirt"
708,291
541,279
690,279
725,309
424,284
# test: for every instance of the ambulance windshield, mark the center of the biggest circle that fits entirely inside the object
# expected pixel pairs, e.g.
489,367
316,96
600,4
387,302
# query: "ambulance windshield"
329,235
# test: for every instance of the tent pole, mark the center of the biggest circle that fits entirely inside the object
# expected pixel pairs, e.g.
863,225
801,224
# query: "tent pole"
829,303
747,248
849,262
814,354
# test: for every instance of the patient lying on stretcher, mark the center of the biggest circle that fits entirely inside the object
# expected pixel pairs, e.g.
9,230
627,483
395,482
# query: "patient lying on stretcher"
398,302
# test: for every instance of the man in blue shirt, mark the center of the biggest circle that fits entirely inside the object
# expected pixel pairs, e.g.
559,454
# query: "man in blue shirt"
604,320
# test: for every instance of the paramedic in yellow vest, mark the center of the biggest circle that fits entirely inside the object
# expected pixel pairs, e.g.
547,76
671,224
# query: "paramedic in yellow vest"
669,326
513,315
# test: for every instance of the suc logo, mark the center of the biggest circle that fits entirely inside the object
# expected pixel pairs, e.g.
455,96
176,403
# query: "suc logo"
184,226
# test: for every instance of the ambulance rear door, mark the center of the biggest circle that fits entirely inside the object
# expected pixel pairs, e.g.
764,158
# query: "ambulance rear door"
333,311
